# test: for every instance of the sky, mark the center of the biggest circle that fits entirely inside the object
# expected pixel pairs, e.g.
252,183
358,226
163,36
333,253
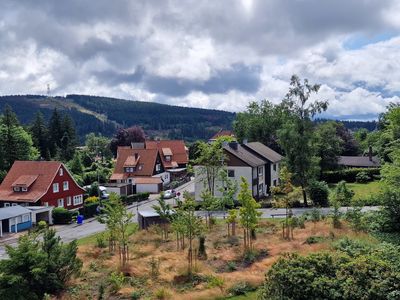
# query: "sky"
210,54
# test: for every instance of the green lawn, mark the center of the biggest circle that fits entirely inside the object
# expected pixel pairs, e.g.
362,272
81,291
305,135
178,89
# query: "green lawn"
364,190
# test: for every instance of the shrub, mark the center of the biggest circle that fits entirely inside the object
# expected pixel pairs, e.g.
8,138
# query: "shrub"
231,266
214,281
362,177
62,215
241,288
92,199
319,193
202,254
314,239
101,240
136,295
89,209
116,281
42,225
348,175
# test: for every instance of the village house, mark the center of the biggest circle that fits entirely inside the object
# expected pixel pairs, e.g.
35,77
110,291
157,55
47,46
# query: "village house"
40,183
257,163
368,161
151,165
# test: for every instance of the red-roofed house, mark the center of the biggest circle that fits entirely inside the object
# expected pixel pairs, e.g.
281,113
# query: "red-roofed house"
221,133
150,165
40,183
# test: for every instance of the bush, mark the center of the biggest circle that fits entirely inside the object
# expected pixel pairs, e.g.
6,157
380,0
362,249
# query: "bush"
162,294
62,215
319,193
128,200
116,281
241,288
348,175
92,199
101,241
42,225
362,177
136,295
89,209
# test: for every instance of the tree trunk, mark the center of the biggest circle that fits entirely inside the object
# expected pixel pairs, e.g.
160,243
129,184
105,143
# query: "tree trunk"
233,229
303,189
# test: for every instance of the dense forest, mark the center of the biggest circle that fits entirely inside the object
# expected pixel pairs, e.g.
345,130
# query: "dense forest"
103,115
94,114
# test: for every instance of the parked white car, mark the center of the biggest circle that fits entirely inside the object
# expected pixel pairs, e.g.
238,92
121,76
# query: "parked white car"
168,194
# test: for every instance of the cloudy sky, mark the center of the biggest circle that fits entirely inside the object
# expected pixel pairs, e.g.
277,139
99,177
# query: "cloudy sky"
212,54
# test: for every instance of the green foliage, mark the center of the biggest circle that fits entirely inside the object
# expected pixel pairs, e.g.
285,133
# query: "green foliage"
202,254
342,194
98,145
319,192
62,215
248,214
260,122
40,135
89,210
390,213
116,280
42,225
214,281
162,294
101,241
154,267
15,142
367,274
37,266
136,295
164,210
363,177
348,175
241,288
329,145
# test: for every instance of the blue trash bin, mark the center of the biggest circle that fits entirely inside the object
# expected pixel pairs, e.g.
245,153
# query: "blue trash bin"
79,219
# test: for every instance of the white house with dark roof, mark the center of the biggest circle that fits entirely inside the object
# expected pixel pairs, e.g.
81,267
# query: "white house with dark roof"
257,163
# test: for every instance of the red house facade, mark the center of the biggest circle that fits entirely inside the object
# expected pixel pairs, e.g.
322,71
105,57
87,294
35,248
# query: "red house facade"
40,183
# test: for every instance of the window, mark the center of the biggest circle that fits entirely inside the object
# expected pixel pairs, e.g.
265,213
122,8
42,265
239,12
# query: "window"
274,167
14,204
260,171
140,167
61,172
158,167
78,199
46,204
25,218
65,185
16,189
231,173
274,182
60,202
261,188
24,189
130,169
6,204
69,201
55,187
168,157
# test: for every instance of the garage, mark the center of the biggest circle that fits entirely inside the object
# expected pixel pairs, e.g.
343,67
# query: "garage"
41,213
151,185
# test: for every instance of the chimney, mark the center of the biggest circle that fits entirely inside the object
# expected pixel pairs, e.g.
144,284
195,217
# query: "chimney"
136,156
233,145
370,153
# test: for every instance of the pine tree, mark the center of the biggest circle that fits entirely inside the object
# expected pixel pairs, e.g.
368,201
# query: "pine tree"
68,139
40,136
55,133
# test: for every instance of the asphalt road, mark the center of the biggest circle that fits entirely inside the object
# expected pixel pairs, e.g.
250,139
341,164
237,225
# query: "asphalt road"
92,226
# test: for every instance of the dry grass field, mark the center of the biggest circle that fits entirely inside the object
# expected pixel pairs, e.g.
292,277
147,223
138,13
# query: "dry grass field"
224,267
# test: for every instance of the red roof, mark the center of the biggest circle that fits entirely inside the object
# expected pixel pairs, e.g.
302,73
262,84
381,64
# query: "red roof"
145,162
37,175
222,133
176,147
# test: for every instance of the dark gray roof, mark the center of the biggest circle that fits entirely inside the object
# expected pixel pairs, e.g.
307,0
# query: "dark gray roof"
12,212
245,155
264,151
359,161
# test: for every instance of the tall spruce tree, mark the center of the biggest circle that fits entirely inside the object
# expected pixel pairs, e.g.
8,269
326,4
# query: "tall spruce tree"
55,132
68,139
40,136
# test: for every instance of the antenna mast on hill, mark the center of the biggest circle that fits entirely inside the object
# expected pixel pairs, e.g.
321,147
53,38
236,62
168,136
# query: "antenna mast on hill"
48,90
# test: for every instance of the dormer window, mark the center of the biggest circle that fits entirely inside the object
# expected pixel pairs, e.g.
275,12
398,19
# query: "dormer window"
168,158
130,169
24,189
61,172
16,189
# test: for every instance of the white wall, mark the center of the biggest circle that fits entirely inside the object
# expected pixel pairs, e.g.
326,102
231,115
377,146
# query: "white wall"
245,172
165,177
144,188
275,174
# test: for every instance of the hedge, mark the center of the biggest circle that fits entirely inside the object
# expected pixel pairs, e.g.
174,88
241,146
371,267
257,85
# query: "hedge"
135,198
63,216
348,175
89,209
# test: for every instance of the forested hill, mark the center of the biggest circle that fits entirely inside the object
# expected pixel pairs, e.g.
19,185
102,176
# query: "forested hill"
104,115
